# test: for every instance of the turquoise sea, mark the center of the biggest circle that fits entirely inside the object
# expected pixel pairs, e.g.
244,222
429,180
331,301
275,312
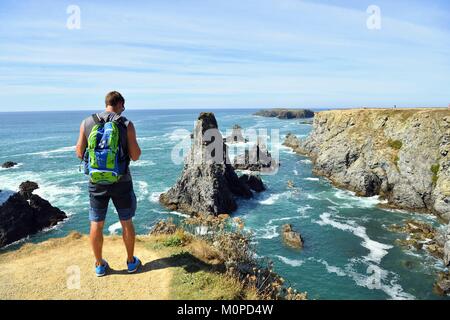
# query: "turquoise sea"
349,252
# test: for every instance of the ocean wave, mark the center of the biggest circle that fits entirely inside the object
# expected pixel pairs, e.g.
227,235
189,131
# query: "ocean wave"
114,228
49,153
142,163
363,202
295,172
311,179
375,278
302,210
305,161
154,196
273,198
142,190
290,262
376,249
268,232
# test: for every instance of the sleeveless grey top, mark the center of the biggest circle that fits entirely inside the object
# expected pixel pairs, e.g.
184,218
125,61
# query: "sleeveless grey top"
111,116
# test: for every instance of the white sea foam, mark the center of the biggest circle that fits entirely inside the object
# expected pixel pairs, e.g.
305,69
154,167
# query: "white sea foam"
142,163
305,161
333,269
363,202
268,232
295,172
291,262
114,228
273,198
271,221
154,196
176,213
49,153
303,209
311,179
142,190
312,197
376,249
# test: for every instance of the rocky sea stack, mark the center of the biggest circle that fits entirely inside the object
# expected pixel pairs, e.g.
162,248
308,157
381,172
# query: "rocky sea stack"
281,113
24,213
208,183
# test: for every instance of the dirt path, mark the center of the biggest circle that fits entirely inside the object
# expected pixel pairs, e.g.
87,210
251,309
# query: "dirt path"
48,271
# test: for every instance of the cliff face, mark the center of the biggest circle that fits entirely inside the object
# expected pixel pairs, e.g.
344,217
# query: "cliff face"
400,154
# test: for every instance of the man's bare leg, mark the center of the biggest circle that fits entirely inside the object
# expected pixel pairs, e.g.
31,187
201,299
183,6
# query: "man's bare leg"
129,237
96,239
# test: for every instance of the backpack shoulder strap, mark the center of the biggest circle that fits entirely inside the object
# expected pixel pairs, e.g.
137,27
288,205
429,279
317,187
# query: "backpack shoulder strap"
96,118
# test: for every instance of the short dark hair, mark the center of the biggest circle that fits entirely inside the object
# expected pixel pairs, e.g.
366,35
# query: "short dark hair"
113,98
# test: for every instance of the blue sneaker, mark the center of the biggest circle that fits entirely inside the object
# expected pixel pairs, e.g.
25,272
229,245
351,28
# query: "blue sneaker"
100,271
133,266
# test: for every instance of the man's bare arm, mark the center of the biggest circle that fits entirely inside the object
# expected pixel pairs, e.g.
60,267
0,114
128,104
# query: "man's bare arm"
82,142
133,147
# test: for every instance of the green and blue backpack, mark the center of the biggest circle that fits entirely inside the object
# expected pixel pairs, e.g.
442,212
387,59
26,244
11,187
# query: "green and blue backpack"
103,154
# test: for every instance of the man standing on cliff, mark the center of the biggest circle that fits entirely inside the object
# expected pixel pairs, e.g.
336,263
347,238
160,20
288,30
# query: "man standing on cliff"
106,143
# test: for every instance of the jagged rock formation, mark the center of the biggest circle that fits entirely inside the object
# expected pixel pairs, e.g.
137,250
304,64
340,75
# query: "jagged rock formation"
236,135
400,154
23,214
208,183
254,182
291,237
281,113
9,164
258,158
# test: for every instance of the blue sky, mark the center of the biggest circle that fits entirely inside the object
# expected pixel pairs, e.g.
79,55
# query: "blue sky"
219,54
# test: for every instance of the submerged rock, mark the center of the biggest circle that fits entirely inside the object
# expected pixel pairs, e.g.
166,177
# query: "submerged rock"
291,237
208,183
24,214
9,164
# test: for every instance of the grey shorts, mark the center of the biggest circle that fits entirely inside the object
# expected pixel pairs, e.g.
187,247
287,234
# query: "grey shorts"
122,196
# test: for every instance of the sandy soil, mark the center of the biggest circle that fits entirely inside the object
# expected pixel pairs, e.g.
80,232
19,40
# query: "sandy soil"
49,270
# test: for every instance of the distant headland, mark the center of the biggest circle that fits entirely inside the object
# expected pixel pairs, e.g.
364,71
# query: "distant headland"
283,113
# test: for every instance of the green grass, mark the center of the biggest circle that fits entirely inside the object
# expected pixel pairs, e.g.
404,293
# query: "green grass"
435,169
194,279
395,144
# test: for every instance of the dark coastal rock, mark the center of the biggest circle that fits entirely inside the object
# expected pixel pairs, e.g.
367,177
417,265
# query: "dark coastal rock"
285,113
26,189
258,158
291,237
254,182
208,183
9,164
21,216
236,135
